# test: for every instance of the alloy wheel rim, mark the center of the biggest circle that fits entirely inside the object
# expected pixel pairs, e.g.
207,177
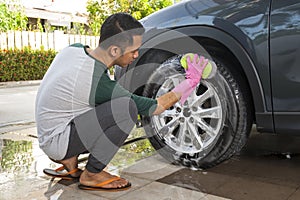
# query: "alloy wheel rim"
194,126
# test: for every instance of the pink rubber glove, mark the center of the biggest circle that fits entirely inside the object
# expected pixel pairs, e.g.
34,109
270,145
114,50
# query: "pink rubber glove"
193,77
195,69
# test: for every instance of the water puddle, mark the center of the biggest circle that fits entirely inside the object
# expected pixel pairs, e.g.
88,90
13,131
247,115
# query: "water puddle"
22,163
16,155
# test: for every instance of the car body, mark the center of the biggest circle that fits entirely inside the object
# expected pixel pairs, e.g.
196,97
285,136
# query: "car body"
256,46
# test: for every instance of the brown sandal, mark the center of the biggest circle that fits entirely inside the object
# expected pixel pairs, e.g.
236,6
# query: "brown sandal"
99,185
62,173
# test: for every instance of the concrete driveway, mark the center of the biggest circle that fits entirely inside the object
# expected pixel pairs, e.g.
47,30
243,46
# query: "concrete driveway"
267,168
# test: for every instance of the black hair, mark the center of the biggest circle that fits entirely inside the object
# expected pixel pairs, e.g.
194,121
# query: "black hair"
119,29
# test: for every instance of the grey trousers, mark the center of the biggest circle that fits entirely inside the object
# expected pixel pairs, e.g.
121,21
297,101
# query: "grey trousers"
102,131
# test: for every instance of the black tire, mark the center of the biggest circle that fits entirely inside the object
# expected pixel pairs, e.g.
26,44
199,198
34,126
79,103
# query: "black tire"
236,119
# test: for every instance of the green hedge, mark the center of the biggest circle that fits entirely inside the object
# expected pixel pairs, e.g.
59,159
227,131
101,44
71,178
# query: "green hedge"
26,64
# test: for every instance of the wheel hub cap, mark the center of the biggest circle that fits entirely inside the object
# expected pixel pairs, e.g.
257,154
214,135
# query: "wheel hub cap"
187,112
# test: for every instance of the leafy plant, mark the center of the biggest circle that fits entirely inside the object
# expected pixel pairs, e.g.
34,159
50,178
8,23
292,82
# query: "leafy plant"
25,64
101,9
12,16
141,8
98,12
77,28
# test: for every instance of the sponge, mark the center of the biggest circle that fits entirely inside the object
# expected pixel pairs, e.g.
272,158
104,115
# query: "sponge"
208,72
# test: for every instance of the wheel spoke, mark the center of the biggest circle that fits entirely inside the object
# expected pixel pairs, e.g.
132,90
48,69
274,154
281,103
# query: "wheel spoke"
168,113
163,90
173,123
199,100
213,113
176,81
168,129
192,97
195,135
181,136
205,127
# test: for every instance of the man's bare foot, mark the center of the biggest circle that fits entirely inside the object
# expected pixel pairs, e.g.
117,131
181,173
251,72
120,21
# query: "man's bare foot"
70,164
91,179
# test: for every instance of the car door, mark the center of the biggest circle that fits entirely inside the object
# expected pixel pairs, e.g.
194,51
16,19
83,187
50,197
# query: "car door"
285,64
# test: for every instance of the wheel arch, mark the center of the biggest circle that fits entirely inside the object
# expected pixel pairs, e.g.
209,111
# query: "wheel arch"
138,76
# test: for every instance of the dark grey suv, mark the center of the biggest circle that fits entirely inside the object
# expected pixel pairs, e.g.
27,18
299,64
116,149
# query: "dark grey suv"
256,47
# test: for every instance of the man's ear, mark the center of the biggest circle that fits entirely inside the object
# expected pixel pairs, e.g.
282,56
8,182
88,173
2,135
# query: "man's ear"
114,51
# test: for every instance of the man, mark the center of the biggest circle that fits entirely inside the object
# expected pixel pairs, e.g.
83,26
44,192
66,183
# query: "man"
80,110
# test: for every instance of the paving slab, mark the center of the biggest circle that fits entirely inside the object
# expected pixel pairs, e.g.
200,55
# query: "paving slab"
200,180
245,189
152,168
213,197
162,191
295,195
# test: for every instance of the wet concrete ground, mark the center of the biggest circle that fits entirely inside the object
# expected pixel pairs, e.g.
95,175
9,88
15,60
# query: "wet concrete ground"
267,168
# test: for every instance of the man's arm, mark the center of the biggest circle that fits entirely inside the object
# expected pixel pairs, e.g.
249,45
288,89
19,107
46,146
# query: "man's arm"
166,101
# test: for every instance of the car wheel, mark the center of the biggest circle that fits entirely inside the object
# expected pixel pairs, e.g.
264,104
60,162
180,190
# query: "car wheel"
209,128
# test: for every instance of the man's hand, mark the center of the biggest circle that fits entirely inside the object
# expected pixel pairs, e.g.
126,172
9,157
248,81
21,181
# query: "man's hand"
193,76
195,69
182,91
